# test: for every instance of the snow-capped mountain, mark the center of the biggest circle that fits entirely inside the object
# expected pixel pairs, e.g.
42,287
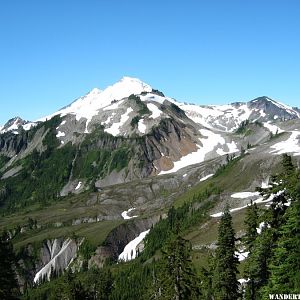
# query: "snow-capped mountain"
166,135
14,124
109,108
229,117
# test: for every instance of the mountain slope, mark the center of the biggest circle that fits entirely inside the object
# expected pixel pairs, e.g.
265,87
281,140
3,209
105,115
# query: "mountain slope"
112,163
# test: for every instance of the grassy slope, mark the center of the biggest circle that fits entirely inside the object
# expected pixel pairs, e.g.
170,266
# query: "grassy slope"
95,233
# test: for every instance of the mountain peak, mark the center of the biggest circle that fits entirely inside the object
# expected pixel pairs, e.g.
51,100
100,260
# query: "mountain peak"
95,91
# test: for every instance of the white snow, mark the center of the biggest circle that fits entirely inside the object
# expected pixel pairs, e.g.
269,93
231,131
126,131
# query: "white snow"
115,128
59,134
114,105
209,142
78,185
184,175
28,126
242,195
243,280
291,145
259,200
273,128
262,113
265,184
206,177
141,126
125,216
156,98
232,147
46,270
242,255
89,105
260,227
156,112
129,251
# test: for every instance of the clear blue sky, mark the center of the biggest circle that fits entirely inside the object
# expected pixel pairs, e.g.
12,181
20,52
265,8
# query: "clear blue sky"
208,52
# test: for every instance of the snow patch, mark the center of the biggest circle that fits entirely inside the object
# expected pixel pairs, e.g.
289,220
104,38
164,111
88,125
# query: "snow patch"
154,110
272,128
78,185
129,251
60,133
115,128
141,126
242,255
209,142
259,200
260,227
125,216
242,195
206,177
291,145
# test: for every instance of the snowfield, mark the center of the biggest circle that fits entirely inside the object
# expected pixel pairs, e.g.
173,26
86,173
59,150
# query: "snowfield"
209,142
115,128
129,251
291,145
88,106
141,126
272,128
156,112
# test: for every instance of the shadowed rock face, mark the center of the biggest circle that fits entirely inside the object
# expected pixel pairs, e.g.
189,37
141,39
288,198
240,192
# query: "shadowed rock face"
118,238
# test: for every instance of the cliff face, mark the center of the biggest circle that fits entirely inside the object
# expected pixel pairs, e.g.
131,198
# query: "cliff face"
55,256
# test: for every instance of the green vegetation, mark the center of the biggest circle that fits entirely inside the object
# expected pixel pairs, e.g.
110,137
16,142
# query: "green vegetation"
3,160
169,268
40,180
225,284
243,128
135,120
99,163
8,281
143,109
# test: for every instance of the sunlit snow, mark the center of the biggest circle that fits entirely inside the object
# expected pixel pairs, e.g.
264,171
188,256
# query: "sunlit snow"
125,216
272,128
115,128
89,105
206,177
291,145
59,134
78,185
129,251
141,126
209,142
154,110
242,195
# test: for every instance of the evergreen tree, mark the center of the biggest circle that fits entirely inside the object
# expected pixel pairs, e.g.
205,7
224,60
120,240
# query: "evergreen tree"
251,223
285,264
225,284
8,282
178,277
206,276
